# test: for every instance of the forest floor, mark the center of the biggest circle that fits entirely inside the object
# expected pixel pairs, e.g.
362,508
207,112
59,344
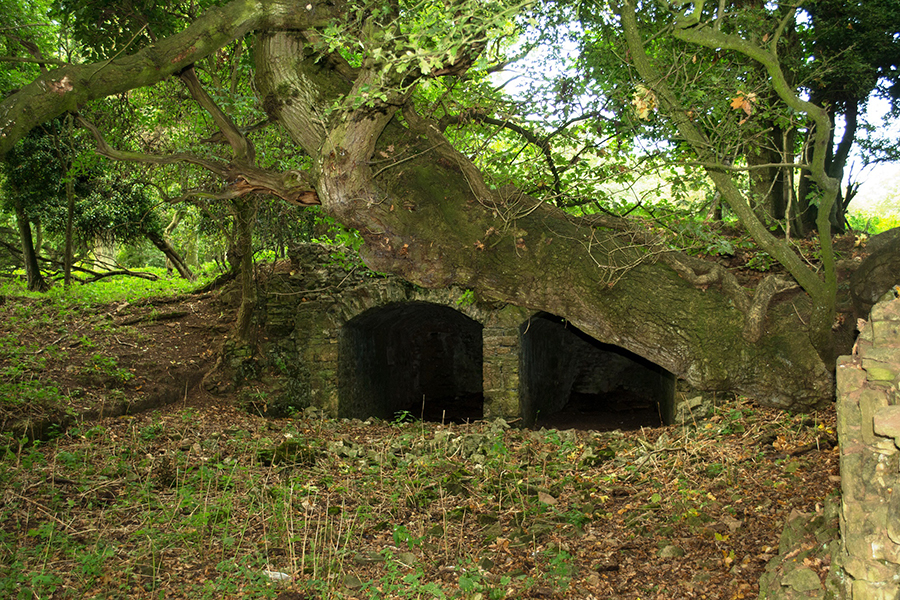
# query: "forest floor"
145,486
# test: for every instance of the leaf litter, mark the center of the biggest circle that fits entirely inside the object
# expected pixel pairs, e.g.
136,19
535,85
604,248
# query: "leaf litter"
199,499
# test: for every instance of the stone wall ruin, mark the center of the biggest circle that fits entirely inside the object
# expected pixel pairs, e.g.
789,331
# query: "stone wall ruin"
857,535
359,345
868,406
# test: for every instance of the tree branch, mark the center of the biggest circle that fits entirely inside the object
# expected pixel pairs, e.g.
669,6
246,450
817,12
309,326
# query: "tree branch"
38,61
805,276
72,86
104,149
241,179
241,148
542,143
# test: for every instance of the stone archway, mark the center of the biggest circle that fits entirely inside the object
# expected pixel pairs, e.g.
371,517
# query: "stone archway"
568,379
418,358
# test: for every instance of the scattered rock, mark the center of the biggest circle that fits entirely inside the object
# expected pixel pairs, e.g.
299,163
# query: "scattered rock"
352,582
670,551
367,558
802,580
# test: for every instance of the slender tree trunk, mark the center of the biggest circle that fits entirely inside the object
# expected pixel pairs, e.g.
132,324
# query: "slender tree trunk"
68,259
172,255
36,282
767,182
66,164
839,163
245,213
167,235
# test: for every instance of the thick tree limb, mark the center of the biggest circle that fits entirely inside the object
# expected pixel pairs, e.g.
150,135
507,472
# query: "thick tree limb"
171,254
704,273
241,147
104,149
426,214
72,86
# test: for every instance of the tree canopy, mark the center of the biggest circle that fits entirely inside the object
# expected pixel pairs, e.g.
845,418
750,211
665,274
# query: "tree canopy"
389,116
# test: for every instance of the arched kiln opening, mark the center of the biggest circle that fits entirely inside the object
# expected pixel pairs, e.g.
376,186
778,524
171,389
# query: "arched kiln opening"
570,380
418,357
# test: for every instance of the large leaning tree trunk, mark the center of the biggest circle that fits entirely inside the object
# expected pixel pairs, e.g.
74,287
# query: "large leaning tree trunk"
426,213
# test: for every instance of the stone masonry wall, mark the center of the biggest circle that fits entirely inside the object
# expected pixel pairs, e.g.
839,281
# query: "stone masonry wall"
868,409
305,309
305,314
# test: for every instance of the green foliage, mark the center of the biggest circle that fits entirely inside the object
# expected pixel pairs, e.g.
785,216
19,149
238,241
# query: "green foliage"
872,224
413,37
110,289
20,368
109,367
26,29
760,261
108,208
467,298
107,28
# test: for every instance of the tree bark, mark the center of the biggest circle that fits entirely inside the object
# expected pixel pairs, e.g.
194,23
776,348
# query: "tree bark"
767,183
69,256
244,215
67,88
427,215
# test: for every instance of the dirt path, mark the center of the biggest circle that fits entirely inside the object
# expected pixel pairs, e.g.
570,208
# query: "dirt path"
64,364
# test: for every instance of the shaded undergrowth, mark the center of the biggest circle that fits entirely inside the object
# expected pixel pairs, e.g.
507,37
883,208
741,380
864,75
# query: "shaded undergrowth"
207,502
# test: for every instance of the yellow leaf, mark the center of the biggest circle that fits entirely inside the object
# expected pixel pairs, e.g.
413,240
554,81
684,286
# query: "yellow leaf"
644,102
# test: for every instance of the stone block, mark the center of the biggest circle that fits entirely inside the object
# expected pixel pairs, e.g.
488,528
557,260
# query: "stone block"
848,416
509,341
850,376
893,526
327,353
870,400
803,580
867,570
889,552
501,405
886,333
865,336
887,422
880,371
886,311
867,590
883,354
852,489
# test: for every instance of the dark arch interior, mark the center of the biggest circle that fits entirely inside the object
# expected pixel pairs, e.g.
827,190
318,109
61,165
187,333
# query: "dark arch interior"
414,358
569,380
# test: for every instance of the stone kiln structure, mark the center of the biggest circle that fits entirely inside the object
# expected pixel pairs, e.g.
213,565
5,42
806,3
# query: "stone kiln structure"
358,346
